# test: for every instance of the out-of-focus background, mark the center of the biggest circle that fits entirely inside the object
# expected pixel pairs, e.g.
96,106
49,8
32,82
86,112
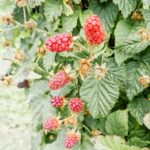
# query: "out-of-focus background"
15,119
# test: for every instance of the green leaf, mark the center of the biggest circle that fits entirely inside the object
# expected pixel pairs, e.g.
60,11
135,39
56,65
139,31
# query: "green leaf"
112,143
77,1
140,132
138,108
64,90
37,88
124,28
126,6
100,95
103,1
146,4
117,72
138,142
41,110
146,120
36,140
69,23
134,71
53,9
146,15
67,10
86,143
117,123
6,7
130,47
83,15
59,143
34,3
4,61
48,60
107,13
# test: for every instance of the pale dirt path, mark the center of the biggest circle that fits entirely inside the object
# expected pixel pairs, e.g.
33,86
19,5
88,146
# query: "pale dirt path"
14,120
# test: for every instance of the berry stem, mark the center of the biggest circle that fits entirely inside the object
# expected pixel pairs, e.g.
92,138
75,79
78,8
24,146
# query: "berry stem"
79,45
9,29
37,29
86,128
24,14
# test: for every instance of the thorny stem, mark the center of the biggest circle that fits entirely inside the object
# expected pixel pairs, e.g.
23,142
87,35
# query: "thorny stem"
68,118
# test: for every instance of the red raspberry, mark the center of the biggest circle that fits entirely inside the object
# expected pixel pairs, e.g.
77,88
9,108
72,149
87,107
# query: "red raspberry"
57,101
59,80
71,139
75,105
93,30
59,43
51,124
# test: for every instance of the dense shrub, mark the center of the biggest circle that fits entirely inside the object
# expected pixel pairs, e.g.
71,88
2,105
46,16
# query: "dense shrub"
85,67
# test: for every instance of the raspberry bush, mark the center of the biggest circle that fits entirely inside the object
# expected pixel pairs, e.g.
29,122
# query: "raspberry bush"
85,69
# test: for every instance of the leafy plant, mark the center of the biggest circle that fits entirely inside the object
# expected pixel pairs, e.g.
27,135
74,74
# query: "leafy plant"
85,68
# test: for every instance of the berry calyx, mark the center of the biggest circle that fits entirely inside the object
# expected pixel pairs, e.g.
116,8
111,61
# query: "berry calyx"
59,80
71,139
57,101
19,56
59,43
75,105
93,30
51,124
30,25
144,81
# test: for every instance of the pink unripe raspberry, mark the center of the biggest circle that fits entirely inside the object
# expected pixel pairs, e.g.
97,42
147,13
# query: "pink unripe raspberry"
57,101
59,43
59,80
93,30
51,124
75,105
71,139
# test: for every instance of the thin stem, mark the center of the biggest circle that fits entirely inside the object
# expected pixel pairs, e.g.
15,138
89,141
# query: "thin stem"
79,45
7,59
9,29
24,14
87,129
37,29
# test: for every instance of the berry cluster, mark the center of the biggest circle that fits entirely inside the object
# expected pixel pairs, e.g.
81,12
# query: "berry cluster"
95,35
59,43
93,30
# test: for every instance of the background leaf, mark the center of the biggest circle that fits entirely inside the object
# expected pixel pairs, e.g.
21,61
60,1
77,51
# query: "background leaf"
117,123
126,6
138,108
52,9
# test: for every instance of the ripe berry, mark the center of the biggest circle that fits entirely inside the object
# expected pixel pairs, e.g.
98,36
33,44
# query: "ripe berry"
71,139
57,101
93,30
59,80
59,43
51,124
75,105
